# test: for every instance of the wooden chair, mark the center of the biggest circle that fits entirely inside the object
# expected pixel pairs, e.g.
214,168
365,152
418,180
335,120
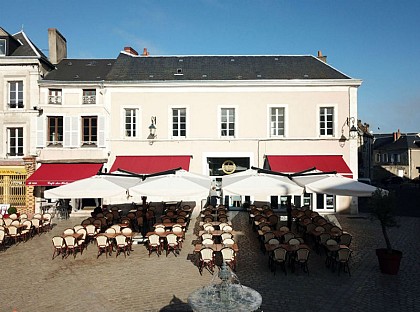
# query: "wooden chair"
301,259
72,246
59,246
206,260
154,244
279,257
122,245
172,244
229,257
102,242
342,259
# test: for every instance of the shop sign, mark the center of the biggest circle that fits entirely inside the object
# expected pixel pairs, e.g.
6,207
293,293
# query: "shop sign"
228,167
12,170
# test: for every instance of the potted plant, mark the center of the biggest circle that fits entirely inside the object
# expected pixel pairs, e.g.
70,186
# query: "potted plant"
382,208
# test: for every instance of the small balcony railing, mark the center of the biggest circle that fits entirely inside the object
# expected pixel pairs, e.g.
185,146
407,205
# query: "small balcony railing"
54,99
89,99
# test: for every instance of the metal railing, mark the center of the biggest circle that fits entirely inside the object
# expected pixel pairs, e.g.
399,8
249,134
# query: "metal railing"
54,99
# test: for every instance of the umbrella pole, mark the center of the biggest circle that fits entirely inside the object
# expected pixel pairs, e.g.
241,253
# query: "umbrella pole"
289,212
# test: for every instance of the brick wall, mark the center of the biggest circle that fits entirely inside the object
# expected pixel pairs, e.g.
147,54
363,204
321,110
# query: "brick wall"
30,166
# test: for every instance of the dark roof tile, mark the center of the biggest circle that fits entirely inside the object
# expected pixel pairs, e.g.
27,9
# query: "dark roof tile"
128,68
81,70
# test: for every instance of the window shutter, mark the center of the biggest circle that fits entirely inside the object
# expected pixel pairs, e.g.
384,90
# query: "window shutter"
40,132
101,131
71,133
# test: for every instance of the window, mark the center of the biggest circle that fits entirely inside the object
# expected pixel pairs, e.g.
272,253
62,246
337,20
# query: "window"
326,121
15,141
130,122
277,121
54,96
179,122
378,157
55,131
2,47
89,96
325,201
384,158
227,123
16,94
89,130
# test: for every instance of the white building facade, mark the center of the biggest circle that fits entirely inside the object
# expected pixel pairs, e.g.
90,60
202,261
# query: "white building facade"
212,115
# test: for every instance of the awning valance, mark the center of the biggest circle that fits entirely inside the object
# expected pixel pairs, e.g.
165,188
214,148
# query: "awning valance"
297,163
150,164
60,174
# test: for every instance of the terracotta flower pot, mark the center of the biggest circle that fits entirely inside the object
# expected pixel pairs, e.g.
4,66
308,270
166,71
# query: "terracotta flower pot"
389,263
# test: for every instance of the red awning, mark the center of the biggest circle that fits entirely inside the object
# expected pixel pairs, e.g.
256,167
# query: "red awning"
60,174
150,164
297,163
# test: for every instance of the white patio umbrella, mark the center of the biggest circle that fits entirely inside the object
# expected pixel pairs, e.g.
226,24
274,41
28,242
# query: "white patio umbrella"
178,185
333,184
259,185
98,186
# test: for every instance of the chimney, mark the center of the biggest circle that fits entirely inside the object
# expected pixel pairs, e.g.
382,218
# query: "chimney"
321,57
130,50
145,52
57,46
395,136
398,134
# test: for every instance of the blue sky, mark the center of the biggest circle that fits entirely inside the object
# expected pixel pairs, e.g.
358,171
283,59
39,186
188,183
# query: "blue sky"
376,41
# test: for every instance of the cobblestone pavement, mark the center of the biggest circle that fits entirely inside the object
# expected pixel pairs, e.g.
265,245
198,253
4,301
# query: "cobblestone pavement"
31,281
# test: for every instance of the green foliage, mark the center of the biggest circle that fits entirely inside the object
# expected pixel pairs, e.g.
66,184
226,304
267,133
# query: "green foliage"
11,210
382,207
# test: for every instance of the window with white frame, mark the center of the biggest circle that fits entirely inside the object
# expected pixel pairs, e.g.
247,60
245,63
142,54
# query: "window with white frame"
89,96
130,122
89,130
54,96
227,122
55,131
277,121
15,141
325,201
179,122
326,121
16,94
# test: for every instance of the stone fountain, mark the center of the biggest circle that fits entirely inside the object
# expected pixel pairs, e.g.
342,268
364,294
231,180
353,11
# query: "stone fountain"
228,295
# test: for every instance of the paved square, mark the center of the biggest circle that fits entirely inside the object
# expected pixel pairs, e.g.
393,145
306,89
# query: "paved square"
31,281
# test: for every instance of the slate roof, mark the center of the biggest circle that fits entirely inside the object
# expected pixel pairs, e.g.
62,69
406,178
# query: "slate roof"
128,68
26,48
81,70
386,142
185,68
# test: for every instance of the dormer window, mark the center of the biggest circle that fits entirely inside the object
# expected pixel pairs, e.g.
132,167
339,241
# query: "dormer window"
179,72
2,47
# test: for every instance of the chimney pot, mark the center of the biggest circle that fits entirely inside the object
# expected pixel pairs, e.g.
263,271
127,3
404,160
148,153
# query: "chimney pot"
145,52
321,57
130,50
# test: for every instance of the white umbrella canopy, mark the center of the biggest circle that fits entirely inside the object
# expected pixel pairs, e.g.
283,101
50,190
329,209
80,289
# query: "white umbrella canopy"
98,186
259,185
333,184
178,185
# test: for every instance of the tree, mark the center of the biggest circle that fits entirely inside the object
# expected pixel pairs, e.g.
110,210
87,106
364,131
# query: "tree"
382,206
